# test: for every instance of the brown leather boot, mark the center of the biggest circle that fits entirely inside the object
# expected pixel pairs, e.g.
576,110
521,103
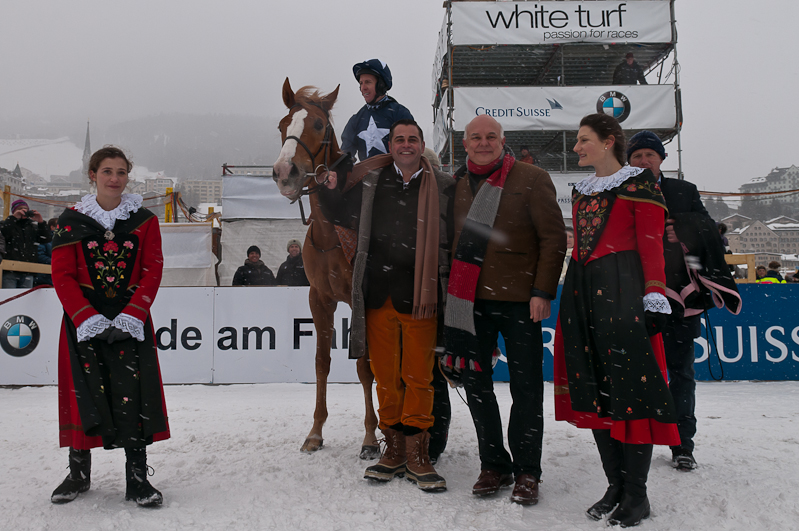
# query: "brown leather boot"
419,468
392,462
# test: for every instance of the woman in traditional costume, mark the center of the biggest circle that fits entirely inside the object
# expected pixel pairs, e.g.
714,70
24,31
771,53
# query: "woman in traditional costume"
107,266
610,367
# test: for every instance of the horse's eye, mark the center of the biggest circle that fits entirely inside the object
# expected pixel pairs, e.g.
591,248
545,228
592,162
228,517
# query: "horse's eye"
318,125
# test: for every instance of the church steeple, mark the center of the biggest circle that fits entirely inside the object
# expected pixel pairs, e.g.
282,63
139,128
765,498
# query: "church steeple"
87,152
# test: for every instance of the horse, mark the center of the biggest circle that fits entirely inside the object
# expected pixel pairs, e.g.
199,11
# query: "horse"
308,126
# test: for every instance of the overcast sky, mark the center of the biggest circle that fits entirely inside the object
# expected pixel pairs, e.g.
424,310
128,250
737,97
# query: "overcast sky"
111,61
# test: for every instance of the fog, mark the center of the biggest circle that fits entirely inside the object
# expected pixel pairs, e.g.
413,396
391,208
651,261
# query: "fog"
66,62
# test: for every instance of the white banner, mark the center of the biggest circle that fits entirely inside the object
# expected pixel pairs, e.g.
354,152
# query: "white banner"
562,108
204,335
266,334
560,22
564,182
441,126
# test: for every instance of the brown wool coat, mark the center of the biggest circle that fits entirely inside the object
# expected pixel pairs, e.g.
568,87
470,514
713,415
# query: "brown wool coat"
528,241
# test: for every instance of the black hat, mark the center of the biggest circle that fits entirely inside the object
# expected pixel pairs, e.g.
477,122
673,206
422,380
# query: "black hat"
253,248
646,140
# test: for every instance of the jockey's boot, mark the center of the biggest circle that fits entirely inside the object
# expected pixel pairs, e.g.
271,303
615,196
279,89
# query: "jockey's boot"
419,469
137,486
78,480
392,462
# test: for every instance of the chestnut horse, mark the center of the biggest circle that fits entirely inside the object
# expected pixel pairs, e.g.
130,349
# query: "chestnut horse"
309,143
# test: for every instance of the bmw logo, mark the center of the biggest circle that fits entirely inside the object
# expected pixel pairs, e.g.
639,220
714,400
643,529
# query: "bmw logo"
615,104
19,335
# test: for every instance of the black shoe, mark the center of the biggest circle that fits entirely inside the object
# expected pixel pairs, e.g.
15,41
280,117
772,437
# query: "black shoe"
78,480
138,488
630,512
683,460
610,500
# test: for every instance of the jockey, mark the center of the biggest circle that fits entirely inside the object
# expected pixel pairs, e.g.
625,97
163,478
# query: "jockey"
366,132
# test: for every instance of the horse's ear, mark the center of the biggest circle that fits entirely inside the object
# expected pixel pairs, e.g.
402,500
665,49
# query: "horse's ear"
329,99
288,94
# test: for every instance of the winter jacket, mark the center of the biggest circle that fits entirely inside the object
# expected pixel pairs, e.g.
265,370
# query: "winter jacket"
22,237
524,257
772,277
628,74
292,272
362,199
378,119
253,274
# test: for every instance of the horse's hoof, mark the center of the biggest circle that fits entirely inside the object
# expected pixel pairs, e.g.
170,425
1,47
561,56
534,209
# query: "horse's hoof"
311,445
369,451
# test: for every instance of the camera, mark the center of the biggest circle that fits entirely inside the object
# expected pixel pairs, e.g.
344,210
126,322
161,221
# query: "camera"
30,213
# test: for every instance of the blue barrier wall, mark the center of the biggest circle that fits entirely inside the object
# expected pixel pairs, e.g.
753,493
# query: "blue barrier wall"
760,343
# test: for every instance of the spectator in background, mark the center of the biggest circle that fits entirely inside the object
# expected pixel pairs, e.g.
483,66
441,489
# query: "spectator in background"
292,271
629,72
254,272
772,276
430,155
45,251
526,156
722,231
22,230
794,277
760,272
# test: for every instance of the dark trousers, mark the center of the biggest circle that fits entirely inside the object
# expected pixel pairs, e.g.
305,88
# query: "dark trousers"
524,350
678,340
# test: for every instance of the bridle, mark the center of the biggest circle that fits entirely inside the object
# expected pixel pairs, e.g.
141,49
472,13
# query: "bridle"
325,166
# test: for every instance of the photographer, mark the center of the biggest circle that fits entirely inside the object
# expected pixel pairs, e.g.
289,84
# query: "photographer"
23,230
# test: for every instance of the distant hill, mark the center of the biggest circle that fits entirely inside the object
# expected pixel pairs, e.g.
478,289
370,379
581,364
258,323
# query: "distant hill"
190,146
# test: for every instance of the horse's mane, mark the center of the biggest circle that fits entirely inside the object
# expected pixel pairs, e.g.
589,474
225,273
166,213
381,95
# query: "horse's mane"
308,95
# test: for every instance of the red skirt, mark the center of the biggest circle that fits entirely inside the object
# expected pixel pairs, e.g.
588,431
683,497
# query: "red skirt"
642,431
70,429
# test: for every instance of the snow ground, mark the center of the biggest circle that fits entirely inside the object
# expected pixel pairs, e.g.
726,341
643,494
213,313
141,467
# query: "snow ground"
234,463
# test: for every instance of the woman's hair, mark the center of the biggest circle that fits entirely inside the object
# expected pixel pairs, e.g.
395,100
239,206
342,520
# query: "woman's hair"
606,126
108,152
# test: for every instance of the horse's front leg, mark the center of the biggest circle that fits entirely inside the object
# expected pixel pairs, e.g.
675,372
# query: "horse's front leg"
322,311
369,449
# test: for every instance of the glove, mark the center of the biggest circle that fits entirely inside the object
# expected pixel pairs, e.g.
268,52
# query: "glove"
116,335
105,333
453,376
655,322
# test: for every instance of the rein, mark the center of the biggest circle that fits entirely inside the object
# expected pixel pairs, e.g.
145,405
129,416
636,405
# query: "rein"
326,168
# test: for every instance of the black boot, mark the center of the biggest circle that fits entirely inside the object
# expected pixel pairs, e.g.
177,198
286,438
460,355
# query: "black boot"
78,480
634,505
442,412
610,450
138,488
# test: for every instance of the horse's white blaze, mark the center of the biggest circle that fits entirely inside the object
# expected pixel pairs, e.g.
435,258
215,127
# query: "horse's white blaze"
295,128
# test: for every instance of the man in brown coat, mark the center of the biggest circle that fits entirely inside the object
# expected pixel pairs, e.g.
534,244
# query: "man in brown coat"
509,245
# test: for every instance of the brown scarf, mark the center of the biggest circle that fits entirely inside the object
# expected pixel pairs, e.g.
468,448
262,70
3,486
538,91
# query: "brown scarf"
425,279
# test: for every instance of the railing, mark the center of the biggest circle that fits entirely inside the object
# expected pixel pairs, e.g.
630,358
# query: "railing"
743,259
23,267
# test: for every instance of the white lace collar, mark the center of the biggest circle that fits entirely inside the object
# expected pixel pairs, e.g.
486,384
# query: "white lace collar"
88,205
593,185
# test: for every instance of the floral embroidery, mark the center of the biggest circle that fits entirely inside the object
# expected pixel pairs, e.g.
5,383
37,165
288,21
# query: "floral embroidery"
61,230
629,410
591,213
86,368
643,379
110,264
